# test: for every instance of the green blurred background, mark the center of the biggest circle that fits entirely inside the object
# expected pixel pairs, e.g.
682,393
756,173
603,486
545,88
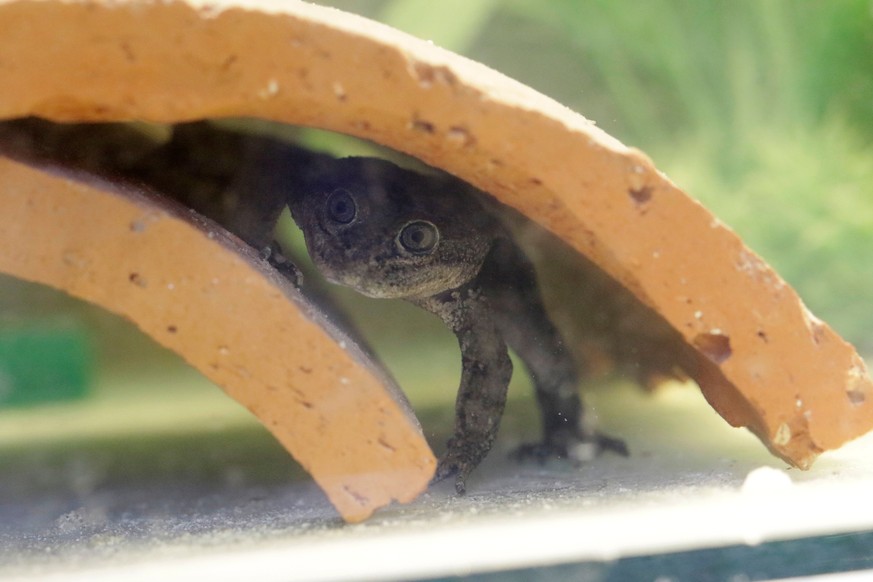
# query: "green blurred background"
762,109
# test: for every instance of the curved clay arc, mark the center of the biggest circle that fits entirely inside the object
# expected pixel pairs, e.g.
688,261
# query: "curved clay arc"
771,366
207,296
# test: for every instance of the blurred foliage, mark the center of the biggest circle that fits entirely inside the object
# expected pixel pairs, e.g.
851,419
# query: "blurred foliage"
762,109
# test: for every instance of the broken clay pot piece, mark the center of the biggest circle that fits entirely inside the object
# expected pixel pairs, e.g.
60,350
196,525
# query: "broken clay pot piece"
230,315
762,360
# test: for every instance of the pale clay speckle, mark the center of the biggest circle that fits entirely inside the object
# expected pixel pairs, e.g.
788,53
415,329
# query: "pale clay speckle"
271,90
339,90
782,436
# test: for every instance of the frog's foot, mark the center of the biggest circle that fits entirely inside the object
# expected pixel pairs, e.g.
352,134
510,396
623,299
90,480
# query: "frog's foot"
273,254
459,461
449,466
576,449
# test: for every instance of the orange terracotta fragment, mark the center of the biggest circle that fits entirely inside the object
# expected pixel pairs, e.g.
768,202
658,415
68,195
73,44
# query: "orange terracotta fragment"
764,361
207,296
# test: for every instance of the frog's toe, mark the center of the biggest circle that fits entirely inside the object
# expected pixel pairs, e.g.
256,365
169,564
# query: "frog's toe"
453,466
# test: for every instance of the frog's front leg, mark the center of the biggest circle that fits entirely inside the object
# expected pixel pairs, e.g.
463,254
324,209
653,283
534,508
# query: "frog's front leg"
521,318
485,375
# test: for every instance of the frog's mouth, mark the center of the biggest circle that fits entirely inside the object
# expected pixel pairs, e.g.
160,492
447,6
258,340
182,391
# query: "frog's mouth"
374,283
364,284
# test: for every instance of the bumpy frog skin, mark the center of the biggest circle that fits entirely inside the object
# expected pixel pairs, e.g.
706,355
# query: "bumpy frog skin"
390,232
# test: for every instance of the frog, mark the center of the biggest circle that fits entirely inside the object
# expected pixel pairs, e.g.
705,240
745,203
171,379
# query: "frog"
439,243
386,231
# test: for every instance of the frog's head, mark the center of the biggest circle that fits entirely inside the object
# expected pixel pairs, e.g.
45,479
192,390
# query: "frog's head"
389,232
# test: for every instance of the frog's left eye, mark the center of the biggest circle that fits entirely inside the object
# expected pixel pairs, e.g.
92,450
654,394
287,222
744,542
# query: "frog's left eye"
341,206
419,237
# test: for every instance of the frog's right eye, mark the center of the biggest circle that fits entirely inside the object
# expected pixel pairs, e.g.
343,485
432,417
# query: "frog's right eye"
419,237
341,207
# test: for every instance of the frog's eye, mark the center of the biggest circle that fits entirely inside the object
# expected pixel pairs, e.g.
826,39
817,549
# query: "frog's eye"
341,207
419,237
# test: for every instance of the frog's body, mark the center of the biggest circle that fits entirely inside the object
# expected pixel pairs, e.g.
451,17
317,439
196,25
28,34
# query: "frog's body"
390,232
